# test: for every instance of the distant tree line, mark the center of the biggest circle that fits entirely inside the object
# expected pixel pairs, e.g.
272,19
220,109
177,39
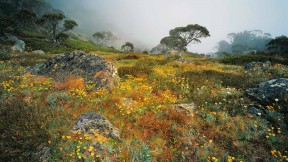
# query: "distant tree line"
254,41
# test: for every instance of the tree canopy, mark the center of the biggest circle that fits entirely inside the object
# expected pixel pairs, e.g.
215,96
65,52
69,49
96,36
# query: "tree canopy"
279,45
104,38
180,37
51,22
39,7
244,42
17,14
127,47
174,42
24,18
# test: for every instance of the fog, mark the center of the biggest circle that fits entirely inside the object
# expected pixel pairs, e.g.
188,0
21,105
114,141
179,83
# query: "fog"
146,22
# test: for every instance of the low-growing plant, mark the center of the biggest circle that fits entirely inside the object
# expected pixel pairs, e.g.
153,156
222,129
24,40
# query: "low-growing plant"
247,58
23,128
4,54
140,153
217,127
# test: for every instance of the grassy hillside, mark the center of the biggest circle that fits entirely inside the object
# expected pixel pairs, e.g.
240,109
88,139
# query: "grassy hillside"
66,46
219,129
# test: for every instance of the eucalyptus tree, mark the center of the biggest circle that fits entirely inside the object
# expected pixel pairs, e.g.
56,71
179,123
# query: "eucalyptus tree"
180,37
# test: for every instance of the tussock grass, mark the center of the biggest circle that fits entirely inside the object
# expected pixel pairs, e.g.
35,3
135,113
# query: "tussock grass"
23,129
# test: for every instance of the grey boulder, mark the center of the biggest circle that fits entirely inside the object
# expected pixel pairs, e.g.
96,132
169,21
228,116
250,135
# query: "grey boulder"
92,123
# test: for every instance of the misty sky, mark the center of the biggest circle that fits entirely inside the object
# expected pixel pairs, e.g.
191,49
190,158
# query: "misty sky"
145,22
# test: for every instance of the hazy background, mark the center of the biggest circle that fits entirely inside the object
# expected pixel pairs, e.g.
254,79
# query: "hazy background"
146,22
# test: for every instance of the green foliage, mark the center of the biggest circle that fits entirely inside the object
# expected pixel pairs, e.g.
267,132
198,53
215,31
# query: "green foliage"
142,153
4,54
66,46
24,18
51,22
223,46
87,46
133,71
174,42
104,38
181,37
80,45
69,24
33,33
16,14
127,47
279,45
244,42
191,33
128,57
99,35
247,58
23,129
45,45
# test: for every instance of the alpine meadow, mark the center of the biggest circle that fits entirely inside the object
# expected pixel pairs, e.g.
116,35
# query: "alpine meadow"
143,81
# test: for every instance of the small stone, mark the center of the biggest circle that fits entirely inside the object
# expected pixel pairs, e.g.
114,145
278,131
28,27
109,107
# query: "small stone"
269,92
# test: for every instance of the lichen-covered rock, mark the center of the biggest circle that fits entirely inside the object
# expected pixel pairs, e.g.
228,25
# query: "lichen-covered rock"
274,91
92,123
91,68
253,65
257,110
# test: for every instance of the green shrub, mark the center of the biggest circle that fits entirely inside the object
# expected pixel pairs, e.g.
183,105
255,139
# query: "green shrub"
67,46
23,129
31,59
247,58
45,45
128,57
87,46
80,45
4,54
134,71
142,152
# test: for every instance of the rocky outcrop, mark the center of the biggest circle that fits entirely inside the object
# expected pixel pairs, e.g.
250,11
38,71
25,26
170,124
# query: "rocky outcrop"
257,110
262,65
93,123
91,68
272,91
272,98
